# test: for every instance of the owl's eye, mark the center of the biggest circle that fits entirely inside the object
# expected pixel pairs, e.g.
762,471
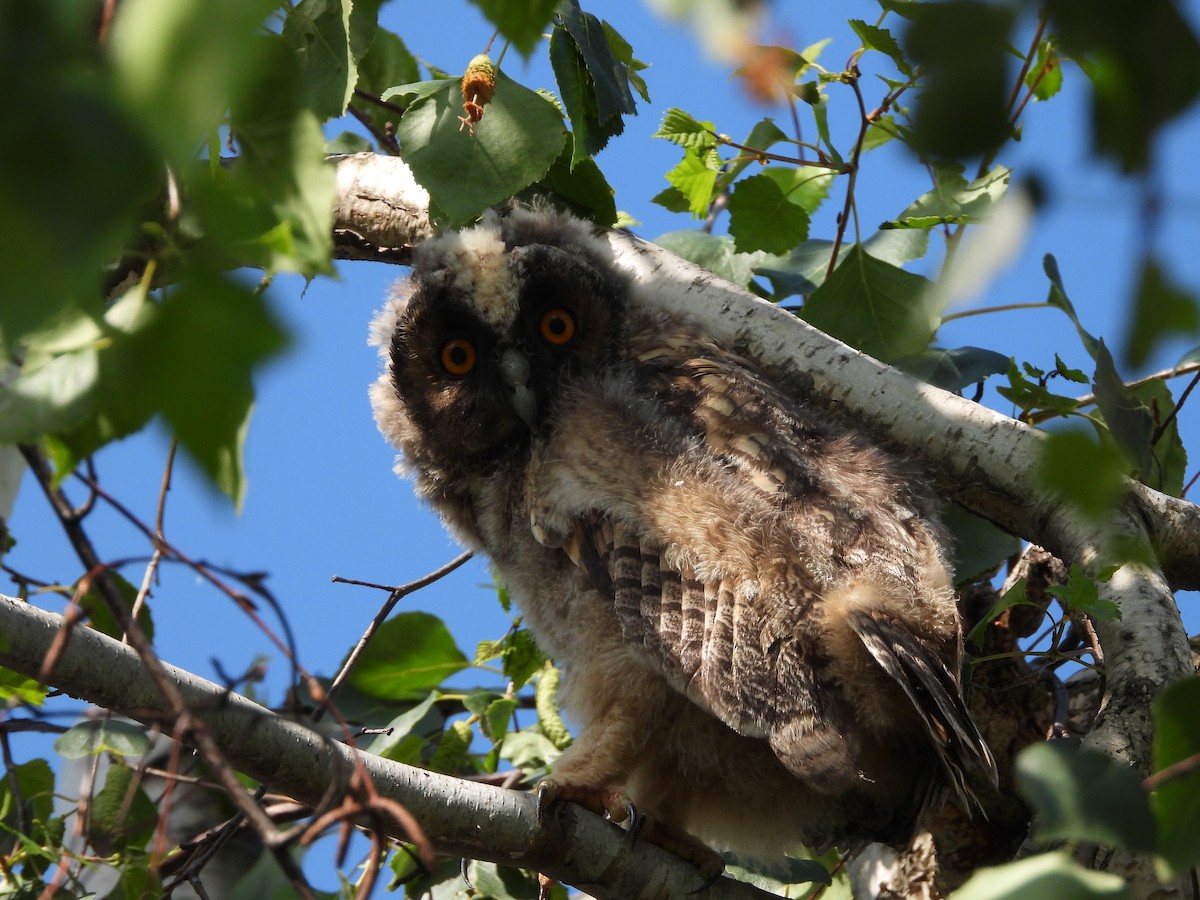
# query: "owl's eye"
558,327
458,356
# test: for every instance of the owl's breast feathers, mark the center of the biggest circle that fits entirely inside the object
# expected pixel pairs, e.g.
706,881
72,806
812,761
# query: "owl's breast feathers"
779,572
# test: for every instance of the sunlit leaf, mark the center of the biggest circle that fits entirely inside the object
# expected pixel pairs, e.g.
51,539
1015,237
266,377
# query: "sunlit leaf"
874,37
762,217
1081,593
695,177
514,145
680,128
180,64
874,306
104,735
385,743
411,654
715,253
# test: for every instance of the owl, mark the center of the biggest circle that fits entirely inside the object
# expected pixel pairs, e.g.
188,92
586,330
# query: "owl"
751,604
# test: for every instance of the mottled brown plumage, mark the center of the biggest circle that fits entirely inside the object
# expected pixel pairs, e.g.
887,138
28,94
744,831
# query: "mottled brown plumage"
752,606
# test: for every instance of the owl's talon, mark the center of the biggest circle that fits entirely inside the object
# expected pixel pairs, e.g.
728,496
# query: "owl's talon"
636,823
547,793
706,883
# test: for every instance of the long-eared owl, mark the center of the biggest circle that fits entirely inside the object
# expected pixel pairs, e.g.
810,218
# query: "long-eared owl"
751,604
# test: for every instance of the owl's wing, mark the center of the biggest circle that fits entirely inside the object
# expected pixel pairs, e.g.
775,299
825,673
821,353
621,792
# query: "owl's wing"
752,663
935,693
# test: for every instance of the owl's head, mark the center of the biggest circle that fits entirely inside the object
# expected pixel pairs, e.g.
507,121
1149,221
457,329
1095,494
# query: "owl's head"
482,339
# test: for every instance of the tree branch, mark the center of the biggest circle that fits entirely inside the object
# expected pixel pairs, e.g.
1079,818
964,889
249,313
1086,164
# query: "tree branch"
462,818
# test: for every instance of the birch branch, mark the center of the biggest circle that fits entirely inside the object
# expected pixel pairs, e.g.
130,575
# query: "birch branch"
461,818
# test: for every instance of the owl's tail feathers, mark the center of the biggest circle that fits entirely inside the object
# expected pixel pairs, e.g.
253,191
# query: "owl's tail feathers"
935,693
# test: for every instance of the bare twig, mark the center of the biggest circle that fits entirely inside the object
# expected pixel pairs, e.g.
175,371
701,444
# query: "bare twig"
396,595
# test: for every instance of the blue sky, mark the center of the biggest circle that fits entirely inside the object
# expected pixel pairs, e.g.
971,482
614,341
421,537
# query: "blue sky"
322,498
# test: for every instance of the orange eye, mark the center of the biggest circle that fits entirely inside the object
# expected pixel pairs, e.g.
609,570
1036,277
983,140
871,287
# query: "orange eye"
558,327
458,356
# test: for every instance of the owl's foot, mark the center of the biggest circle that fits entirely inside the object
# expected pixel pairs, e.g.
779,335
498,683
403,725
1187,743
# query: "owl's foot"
616,806
708,862
612,803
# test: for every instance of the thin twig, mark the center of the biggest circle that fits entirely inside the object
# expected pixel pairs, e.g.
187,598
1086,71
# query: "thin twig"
396,595
169,691
1180,769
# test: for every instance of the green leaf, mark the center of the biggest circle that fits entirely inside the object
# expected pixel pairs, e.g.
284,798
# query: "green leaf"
680,128
874,306
580,187
1170,462
953,198
953,370
319,32
35,781
411,654
962,49
803,270
122,816
97,187
514,145
1014,596
1128,420
882,130
1161,308
1081,593
592,77
497,717
1049,876
282,190
100,616
715,253
1045,75
528,749
1176,801
521,21
390,742
179,65
696,178
575,85
1141,77
1058,297
1075,375
95,736
805,186
387,62
874,37
762,217
194,362
1083,472
1029,395
624,55
979,546
16,688
1085,795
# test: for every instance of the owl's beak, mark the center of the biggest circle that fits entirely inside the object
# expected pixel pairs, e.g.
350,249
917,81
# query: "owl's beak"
514,367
